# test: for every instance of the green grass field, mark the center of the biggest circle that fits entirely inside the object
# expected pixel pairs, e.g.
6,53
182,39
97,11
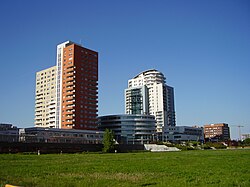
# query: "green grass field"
186,168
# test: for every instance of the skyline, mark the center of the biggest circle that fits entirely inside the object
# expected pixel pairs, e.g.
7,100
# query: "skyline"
202,48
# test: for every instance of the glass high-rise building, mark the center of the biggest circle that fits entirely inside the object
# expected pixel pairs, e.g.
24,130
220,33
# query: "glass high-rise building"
137,100
147,93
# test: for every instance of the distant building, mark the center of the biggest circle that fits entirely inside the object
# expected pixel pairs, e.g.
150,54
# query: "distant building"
67,94
147,93
129,128
245,136
53,135
183,133
45,100
8,133
217,132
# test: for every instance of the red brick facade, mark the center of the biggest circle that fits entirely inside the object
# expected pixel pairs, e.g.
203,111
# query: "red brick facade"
79,88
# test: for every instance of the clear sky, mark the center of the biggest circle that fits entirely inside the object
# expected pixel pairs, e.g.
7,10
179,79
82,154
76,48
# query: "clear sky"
202,47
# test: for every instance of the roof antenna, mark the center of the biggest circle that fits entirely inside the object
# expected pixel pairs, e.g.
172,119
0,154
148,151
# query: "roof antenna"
81,42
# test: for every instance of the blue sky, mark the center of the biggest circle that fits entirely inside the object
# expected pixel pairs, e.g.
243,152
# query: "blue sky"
202,47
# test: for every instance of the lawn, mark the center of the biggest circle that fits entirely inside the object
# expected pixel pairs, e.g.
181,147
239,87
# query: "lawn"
185,168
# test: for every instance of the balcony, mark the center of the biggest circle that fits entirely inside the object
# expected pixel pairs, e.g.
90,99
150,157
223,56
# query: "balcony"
71,66
70,97
68,123
52,107
69,88
38,102
39,97
38,107
71,102
70,92
52,115
69,78
38,118
39,94
69,111
69,119
52,102
70,73
70,83
39,111
38,124
70,105
68,70
51,120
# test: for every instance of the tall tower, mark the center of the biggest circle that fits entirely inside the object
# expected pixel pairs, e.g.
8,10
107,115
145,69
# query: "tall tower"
45,100
79,87
159,97
75,88
170,106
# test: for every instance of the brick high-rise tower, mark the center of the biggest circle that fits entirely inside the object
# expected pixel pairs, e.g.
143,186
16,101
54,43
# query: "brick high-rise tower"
77,87
67,94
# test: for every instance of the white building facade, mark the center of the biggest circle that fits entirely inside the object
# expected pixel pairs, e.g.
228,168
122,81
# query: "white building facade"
156,95
59,62
45,99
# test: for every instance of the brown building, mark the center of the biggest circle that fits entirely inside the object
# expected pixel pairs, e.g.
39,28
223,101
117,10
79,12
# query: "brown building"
67,94
216,132
79,88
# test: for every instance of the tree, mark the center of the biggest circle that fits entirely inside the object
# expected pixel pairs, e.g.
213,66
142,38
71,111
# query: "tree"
108,141
246,141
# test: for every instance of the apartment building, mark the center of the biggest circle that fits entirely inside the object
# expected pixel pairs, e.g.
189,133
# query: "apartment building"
151,96
217,132
54,135
45,98
75,99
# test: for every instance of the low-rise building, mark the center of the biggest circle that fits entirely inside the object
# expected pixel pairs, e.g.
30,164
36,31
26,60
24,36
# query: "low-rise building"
130,129
216,132
8,133
183,133
53,135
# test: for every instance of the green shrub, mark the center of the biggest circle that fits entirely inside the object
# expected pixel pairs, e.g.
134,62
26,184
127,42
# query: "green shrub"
216,145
